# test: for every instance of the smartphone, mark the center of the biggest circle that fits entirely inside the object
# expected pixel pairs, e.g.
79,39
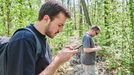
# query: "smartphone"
78,47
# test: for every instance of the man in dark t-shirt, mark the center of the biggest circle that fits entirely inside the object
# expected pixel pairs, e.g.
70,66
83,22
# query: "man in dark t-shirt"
21,50
88,54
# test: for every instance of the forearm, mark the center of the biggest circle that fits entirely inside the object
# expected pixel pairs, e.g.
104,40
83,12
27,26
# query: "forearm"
50,69
88,50
63,56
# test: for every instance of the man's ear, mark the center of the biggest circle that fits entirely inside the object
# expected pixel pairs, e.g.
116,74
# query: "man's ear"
46,18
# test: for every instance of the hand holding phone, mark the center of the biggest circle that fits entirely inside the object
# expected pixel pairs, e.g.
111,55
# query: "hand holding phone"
78,47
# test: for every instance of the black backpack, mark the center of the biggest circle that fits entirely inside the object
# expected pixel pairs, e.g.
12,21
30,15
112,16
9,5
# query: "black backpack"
3,50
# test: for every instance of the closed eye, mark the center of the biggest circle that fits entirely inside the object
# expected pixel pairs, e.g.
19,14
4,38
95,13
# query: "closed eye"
61,25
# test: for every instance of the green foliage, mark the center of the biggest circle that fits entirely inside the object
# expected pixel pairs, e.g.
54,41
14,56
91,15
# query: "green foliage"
117,54
58,42
17,14
68,28
114,17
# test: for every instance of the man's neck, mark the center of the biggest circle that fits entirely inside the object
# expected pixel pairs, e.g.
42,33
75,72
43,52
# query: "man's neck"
38,26
89,33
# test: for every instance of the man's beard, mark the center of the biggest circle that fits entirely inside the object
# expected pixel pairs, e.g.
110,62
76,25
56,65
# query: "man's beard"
49,34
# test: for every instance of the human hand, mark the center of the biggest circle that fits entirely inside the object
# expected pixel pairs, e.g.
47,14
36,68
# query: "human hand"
98,47
65,54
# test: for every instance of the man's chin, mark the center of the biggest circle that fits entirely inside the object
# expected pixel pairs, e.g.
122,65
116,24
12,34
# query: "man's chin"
50,36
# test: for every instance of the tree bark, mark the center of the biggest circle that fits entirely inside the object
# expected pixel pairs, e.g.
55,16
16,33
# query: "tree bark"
75,26
106,21
80,21
85,12
8,17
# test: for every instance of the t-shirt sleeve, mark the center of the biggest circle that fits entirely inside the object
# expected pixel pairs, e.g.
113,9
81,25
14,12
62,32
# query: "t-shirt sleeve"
21,57
86,42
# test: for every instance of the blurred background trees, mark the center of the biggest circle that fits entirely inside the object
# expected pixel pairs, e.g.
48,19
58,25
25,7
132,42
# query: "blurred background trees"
115,17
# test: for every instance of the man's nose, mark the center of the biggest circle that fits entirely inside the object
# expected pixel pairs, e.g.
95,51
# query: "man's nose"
60,29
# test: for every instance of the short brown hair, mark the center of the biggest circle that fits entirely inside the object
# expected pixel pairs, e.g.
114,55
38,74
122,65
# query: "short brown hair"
52,8
96,28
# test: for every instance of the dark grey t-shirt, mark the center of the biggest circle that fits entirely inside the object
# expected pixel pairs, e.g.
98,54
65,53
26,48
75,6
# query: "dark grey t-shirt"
88,58
21,53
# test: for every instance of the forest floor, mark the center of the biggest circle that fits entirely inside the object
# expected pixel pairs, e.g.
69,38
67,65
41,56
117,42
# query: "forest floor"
73,67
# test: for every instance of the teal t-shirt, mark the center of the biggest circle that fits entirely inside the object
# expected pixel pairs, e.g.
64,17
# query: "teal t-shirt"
88,58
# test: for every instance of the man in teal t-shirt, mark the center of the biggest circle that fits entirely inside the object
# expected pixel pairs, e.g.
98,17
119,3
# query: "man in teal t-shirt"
88,54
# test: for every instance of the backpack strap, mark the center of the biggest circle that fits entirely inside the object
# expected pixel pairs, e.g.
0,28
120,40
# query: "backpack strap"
38,44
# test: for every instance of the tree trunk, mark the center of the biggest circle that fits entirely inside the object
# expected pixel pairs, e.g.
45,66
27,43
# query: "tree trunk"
68,3
2,15
8,17
74,15
106,21
85,11
80,21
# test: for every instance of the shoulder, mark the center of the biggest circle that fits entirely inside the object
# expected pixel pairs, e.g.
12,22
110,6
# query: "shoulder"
86,36
22,34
